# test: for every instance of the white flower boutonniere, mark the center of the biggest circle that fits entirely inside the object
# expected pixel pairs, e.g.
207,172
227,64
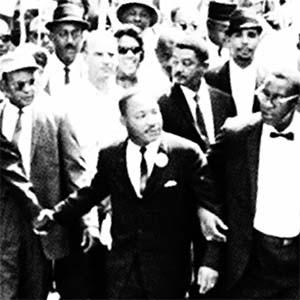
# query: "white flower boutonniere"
161,160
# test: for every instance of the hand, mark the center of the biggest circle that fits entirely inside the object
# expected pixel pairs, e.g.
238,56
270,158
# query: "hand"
207,279
105,236
43,222
89,237
209,226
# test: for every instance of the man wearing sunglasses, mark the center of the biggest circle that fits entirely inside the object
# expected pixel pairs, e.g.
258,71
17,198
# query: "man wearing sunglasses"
255,163
52,160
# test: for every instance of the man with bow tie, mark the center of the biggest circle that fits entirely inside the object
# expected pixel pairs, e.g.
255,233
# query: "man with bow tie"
254,164
148,176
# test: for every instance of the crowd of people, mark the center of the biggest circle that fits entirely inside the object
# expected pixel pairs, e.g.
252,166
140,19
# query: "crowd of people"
153,158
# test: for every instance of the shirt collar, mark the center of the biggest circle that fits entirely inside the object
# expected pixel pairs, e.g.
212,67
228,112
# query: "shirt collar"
251,69
150,148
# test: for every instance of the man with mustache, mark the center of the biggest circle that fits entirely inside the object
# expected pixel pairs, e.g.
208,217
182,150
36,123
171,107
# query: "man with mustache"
66,66
238,76
193,109
157,182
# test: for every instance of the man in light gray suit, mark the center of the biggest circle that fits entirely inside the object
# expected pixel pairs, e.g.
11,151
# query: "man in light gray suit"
53,162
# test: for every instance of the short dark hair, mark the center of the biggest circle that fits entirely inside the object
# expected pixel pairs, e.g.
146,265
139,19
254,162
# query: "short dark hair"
132,31
124,100
195,43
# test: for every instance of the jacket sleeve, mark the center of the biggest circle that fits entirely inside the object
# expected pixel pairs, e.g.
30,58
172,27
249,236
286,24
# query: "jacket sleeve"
81,201
14,180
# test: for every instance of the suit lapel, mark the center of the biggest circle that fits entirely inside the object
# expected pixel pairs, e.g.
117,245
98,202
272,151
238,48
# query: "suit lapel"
225,79
121,171
159,173
35,129
253,147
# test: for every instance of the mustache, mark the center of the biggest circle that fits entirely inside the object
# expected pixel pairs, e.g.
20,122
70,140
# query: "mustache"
70,47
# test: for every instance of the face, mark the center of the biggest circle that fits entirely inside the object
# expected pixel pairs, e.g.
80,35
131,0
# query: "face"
43,37
217,31
101,58
21,87
186,68
143,119
187,21
129,55
67,39
137,15
5,38
273,106
242,45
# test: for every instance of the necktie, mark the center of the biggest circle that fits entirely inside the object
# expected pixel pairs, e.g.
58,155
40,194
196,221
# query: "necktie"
67,74
144,170
200,120
289,135
18,128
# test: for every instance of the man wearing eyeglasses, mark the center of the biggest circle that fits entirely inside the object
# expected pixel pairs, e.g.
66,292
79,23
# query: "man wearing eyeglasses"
255,163
66,66
52,160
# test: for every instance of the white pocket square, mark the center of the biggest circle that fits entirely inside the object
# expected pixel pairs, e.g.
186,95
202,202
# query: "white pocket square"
170,183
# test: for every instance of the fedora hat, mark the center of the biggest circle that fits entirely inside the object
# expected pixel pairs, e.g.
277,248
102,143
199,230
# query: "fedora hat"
145,3
243,18
70,13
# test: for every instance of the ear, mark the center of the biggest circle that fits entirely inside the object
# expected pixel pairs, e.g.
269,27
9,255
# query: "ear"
123,120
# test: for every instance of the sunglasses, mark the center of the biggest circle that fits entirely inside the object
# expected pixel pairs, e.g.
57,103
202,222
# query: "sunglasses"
125,50
5,38
19,85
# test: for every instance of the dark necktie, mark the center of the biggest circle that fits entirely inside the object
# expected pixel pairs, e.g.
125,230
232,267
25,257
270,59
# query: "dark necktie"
144,171
18,128
289,135
67,74
200,120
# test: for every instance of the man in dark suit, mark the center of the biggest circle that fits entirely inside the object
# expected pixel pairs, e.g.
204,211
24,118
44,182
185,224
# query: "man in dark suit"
156,181
238,77
193,109
52,161
254,163
18,208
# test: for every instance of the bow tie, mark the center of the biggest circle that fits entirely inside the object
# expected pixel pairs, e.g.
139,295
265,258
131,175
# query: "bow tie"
289,135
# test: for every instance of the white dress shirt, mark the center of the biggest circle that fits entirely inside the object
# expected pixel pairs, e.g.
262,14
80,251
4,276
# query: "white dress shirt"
205,107
278,194
10,117
55,73
243,82
133,161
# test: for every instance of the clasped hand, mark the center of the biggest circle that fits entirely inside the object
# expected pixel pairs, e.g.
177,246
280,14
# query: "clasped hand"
43,222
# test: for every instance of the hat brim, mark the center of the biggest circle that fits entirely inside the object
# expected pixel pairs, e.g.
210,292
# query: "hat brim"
234,29
123,7
82,23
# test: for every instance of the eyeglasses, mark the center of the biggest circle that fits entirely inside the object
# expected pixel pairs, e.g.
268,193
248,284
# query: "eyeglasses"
5,38
64,34
19,85
275,99
125,50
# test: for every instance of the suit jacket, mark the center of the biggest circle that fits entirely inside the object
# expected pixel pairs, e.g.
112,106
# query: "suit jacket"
178,119
234,163
56,167
157,228
219,78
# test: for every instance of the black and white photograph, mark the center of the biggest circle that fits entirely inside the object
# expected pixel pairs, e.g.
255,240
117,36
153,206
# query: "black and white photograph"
149,149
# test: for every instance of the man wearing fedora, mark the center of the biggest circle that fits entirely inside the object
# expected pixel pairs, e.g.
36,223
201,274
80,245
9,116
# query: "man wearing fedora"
66,66
238,77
